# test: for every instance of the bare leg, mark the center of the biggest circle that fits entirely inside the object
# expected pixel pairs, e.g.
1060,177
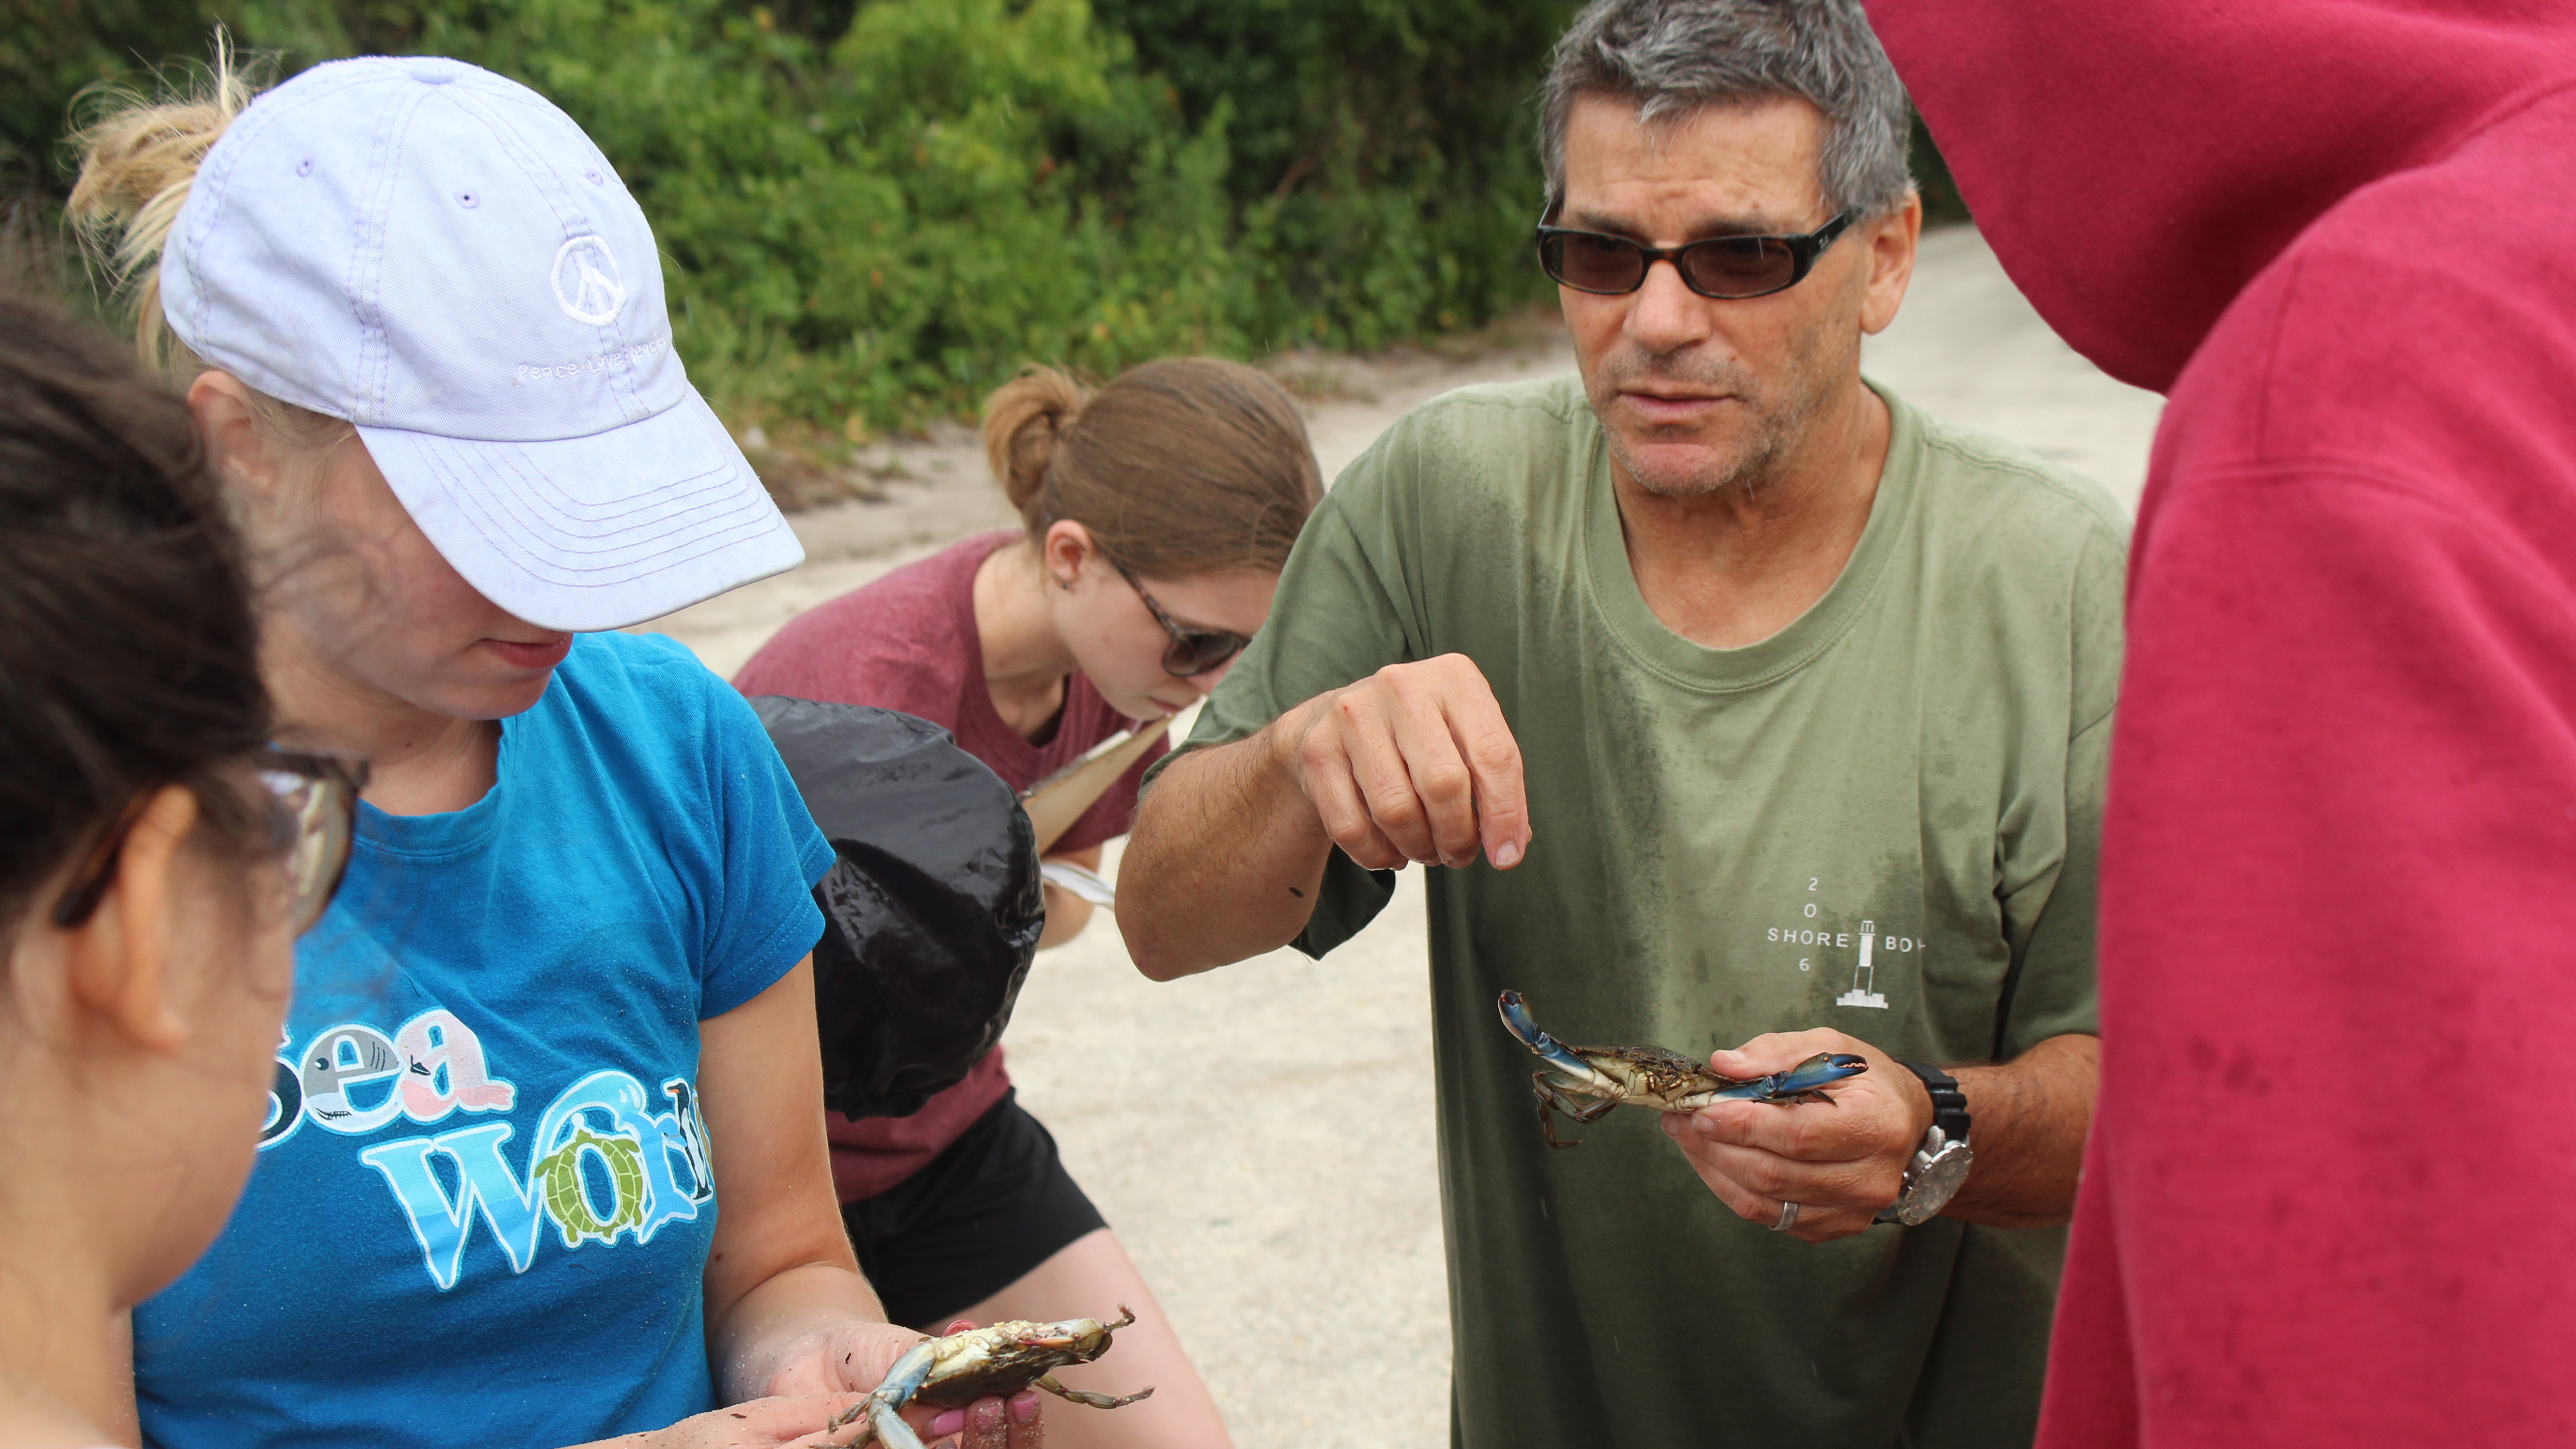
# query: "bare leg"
1089,1278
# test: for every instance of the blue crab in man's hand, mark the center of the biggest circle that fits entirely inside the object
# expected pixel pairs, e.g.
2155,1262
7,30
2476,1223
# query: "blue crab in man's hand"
999,1360
1650,1076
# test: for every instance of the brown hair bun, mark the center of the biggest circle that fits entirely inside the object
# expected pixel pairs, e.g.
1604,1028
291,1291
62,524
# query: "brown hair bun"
1024,420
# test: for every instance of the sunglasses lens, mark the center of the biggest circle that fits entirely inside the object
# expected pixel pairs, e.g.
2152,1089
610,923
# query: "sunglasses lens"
1739,266
1198,651
1591,263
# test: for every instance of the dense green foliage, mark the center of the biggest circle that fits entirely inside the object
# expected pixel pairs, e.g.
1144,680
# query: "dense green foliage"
875,211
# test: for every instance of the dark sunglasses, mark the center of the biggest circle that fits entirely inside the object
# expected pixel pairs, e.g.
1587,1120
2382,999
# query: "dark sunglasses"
1192,651
1729,268
312,817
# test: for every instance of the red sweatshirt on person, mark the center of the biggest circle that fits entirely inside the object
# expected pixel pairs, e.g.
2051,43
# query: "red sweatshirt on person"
2330,1196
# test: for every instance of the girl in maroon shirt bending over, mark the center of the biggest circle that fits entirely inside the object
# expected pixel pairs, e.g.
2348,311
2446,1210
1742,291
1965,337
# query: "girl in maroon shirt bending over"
1158,513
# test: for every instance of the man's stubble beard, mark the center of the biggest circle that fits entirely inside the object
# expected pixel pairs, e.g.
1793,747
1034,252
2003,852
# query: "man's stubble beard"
1779,418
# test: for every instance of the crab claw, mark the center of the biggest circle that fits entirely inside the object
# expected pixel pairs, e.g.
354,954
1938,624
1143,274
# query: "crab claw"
1814,1074
884,1405
892,1431
1822,1069
1516,1020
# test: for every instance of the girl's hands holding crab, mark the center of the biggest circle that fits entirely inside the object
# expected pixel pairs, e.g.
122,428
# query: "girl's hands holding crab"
856,1356
1841,1163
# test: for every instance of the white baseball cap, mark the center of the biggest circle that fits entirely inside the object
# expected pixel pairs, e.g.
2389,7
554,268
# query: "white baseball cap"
440,256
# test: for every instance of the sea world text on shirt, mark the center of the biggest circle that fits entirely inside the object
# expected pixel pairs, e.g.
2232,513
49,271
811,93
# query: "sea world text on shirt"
603,1163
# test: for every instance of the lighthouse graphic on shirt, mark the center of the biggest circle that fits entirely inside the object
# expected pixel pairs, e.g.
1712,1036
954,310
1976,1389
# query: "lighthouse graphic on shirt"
609,1159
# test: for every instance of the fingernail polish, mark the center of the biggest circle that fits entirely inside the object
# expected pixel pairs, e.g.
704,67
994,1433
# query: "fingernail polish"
948,1423
1024,1408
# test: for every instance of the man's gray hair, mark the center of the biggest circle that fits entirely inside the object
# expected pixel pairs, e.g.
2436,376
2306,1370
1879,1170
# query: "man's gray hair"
1669,58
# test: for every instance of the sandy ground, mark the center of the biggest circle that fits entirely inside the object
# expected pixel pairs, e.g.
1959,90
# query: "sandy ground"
1261,1137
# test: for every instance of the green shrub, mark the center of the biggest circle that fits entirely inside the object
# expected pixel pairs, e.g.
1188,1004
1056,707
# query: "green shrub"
872,211
1384,164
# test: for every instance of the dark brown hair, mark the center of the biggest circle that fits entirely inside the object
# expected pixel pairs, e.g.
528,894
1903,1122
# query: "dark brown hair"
1179,467
129,657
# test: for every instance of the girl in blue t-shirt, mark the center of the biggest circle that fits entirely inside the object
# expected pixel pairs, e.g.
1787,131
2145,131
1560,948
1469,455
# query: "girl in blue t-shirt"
542,1160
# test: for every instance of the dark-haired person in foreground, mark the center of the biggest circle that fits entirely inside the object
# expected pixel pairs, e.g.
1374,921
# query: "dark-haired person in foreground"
156,860
2339,859
1777,712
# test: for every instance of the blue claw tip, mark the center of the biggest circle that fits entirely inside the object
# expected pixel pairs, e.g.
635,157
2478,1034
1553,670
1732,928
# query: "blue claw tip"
1516,1020
1821,1070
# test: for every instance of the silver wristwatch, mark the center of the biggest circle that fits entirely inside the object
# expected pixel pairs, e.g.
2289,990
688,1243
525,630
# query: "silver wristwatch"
1940,1162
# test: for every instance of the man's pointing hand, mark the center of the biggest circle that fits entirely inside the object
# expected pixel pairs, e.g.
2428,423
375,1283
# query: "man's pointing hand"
1413,763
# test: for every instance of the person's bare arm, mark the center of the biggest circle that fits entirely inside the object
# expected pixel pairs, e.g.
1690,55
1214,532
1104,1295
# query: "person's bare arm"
1223,823
2037,1109
787,1310
1413,763
781,1270
776,1423
1844,1162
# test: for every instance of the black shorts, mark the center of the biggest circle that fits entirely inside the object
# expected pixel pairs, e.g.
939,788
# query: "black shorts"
990,1207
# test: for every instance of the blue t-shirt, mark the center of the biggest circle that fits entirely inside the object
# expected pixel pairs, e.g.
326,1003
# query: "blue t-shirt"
482,1205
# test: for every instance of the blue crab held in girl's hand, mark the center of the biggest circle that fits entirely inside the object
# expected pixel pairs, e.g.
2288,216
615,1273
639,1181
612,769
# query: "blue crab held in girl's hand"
1000,1360
1607,1077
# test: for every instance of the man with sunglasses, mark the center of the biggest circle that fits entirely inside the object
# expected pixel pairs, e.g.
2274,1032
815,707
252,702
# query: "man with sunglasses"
1776,711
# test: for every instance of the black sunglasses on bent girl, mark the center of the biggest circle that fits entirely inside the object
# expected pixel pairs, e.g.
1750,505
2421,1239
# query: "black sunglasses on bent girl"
1192,650
1727,268
312,817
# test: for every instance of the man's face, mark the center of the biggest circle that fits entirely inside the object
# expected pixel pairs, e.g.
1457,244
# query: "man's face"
1699,394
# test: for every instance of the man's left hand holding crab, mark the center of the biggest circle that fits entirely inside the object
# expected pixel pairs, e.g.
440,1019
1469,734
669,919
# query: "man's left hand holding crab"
1845,1162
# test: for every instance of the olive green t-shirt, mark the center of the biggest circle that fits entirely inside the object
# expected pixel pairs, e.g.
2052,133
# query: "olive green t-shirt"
1881,819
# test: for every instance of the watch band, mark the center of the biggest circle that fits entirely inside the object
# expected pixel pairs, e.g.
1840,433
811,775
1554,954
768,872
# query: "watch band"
1949,1104
1940,1163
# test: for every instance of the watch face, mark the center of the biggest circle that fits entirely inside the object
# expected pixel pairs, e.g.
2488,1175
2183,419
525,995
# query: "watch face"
1934,1186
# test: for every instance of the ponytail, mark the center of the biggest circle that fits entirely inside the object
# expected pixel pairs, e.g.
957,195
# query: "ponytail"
137,161
1024,423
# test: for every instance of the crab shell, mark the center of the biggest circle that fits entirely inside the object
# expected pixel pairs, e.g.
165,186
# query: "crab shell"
1653,1076
1008,1357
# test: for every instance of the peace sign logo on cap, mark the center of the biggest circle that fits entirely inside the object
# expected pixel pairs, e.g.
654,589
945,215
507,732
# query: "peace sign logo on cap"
586,280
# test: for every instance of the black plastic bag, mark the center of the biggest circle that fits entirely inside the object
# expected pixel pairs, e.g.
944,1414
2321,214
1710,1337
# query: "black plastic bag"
932,911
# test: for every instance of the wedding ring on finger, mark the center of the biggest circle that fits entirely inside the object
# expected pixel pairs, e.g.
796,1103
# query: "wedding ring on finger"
1788,1218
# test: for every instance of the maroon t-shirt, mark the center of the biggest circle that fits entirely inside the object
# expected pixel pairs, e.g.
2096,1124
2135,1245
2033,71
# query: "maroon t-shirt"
909,642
